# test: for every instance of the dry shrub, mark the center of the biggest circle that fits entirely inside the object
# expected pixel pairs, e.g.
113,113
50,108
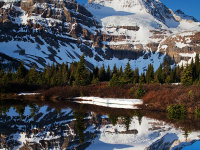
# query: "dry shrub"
159,97
99,90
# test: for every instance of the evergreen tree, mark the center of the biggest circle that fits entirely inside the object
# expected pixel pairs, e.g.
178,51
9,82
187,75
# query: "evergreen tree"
71,79
114,71
40,78
167,79
136,75
53,70
127,121
192,65
1,73
159,75
47,75
53,81
65,73
197,66
142,78
121,71
140,91
186,77
95,71
21,71
14,76
7,77
128,73
113,119
79,116
114,81
102,74
166,68
32,77
82,74
108,73
178,73
59,77
139,115
95,80
150,74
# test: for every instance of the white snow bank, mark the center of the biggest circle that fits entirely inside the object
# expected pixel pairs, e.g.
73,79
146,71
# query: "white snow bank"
28,94
110,102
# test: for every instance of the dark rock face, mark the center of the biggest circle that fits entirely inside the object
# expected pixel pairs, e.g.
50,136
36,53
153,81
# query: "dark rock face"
189,47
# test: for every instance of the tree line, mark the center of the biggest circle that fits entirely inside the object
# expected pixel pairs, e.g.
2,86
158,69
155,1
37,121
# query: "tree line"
78,74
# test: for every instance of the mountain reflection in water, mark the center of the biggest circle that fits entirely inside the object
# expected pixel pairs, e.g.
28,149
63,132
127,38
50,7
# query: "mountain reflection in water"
69,125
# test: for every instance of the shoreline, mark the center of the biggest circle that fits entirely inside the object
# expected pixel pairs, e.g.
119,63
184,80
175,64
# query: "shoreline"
157,97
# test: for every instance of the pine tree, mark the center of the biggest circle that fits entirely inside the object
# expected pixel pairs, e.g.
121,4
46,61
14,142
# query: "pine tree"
95,71
142,78
32,77
65,73
21,71
192,65
140,91
7,77
136,75
114,81
121,72
47,75
150,74
1,73
159,75
128,73
53,81
108,73
114,71
173,76
102,74
197,66
166,68
186,77
95,80
82,74
80,122
59,78
178,73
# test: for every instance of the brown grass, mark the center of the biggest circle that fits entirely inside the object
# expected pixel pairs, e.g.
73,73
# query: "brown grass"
159,97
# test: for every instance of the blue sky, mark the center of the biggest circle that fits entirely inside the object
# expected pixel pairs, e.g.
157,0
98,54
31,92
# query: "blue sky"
189,7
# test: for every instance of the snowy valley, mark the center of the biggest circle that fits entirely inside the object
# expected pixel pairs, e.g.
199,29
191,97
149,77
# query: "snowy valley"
107,32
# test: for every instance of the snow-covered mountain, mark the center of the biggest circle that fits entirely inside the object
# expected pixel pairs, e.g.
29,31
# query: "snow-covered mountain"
106,31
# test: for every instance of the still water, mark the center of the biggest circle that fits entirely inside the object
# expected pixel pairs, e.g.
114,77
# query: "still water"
74,126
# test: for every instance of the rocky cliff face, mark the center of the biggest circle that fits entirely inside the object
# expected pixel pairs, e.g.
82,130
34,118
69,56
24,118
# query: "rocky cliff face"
42,32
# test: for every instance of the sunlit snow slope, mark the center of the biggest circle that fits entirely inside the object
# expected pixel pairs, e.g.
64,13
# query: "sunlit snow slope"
108,32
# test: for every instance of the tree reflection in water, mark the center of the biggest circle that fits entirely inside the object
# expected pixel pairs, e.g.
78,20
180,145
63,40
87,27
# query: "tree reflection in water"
80,124
139,115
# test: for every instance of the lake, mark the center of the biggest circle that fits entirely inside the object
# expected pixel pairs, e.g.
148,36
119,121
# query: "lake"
80,126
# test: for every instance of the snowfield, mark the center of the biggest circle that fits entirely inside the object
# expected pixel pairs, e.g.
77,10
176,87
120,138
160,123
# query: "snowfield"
110,102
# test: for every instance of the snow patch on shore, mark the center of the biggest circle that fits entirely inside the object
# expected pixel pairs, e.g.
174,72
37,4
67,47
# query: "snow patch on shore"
110,102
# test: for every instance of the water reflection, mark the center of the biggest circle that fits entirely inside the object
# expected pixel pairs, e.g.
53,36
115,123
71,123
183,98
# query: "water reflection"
69,125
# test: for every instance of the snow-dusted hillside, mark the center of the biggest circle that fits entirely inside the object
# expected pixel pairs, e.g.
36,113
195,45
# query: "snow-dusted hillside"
108,32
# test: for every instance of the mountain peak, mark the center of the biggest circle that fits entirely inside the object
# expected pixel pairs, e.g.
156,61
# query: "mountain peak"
184,16
179,12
